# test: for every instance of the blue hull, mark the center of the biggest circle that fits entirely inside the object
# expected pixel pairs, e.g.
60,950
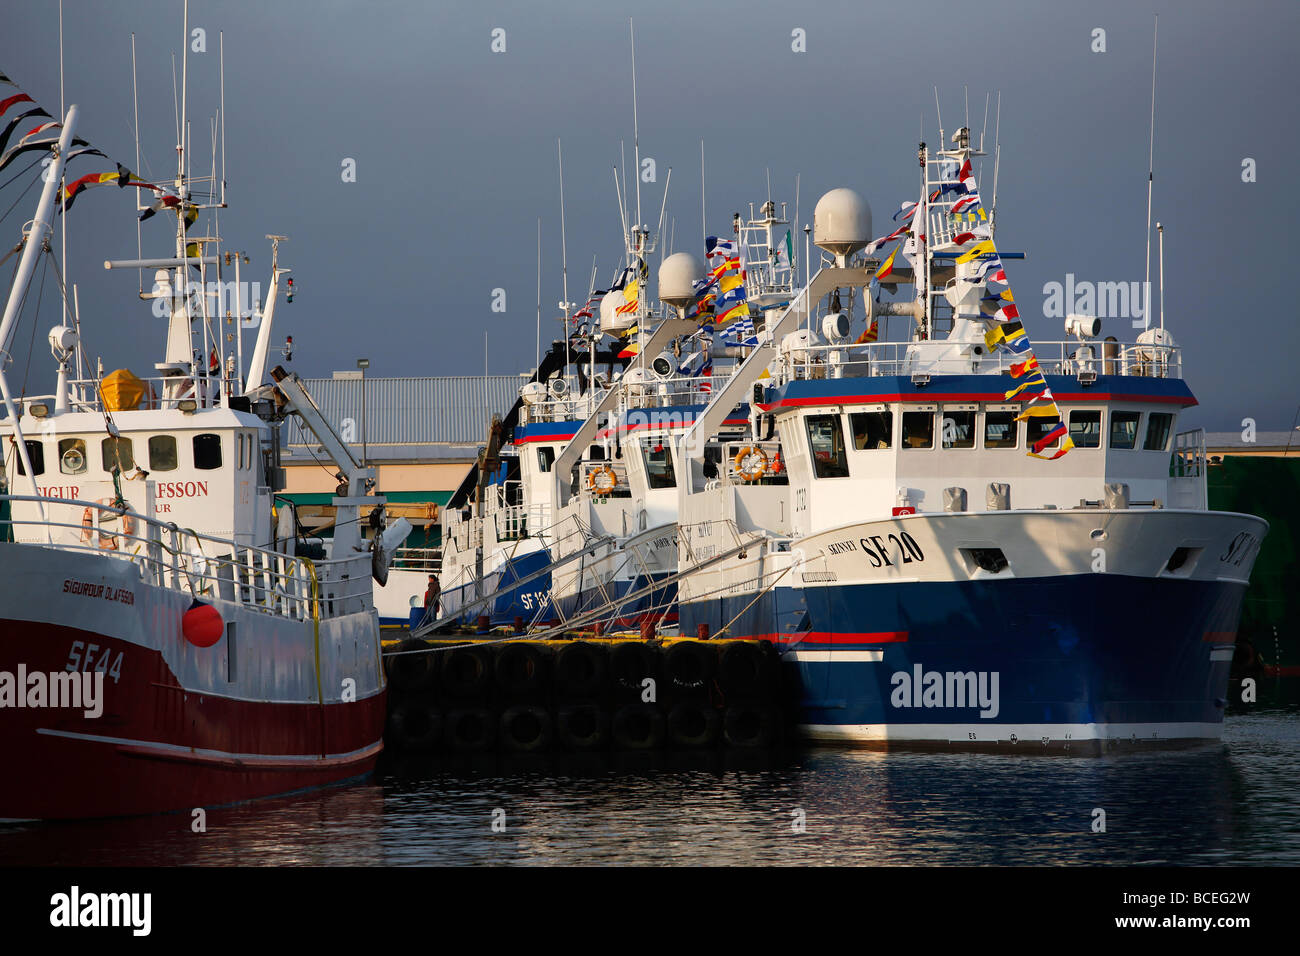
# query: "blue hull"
512,600
659,603
1105,651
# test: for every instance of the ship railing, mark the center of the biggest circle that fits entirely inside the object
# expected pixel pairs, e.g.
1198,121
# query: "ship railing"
676,390
201,565
1071,357
165,392
417,559
564,408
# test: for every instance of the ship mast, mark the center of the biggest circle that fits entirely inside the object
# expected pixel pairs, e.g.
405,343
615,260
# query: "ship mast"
37,238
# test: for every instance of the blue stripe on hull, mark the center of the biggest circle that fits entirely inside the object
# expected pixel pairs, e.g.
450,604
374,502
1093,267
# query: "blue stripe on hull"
1083,649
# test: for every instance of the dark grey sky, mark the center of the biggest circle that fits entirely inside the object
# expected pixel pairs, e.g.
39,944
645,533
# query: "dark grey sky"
455,152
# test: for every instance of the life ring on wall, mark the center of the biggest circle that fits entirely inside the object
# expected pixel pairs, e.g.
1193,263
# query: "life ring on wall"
602,480
751,463
108,539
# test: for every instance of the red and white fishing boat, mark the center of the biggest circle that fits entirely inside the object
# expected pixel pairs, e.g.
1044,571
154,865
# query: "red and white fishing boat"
142,544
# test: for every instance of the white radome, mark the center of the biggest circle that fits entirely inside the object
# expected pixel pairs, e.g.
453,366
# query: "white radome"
677,277
841,222
610,320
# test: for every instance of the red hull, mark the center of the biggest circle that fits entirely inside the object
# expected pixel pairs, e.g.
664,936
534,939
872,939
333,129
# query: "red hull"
158,747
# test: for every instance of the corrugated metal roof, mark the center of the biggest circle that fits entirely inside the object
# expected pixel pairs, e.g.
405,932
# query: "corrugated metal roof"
411,411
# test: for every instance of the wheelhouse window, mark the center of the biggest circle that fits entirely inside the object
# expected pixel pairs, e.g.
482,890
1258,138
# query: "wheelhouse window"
162,453
207,452
545,457
72,456
1159,425
958,429
1085,428
872,430
1039,429
116,453
1001,430
918,429
826,445
36,452
658,463
1124,429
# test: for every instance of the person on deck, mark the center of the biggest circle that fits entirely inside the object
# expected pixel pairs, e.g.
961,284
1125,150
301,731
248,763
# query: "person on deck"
431,601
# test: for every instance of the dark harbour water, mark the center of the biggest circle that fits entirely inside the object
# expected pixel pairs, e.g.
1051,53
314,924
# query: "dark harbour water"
1234,803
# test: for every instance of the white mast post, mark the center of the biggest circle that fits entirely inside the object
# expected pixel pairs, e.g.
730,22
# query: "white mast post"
1161,231
36,239
564,270
1151,156
539,292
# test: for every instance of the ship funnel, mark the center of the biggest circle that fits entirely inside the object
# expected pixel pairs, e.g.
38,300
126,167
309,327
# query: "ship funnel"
841,223
677,277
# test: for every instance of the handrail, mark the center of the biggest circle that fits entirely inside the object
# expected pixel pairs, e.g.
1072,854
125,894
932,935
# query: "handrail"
259,578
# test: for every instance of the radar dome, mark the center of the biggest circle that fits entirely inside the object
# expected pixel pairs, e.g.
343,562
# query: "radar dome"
841,222
610,320
677,277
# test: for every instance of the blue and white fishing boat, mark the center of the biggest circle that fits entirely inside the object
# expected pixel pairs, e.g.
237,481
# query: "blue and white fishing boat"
982,544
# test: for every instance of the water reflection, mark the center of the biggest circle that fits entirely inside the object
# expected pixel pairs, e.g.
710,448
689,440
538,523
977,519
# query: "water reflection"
1231,803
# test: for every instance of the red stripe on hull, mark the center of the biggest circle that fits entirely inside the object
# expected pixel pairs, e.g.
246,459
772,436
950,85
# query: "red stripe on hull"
159,747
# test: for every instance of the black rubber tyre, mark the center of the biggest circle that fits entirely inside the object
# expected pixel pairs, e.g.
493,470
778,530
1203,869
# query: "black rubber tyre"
582,727
741,669
630,663
525,728
415,727
689,665
413,672
521,669
638,727
580,670
748,725
469,730
694,725
466,672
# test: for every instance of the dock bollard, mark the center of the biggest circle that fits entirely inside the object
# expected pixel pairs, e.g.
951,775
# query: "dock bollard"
648,629
519,624
598,629
702,631
484,623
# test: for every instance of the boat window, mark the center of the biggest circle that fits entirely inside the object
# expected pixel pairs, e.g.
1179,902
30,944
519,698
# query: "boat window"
162,453
596,453
872,429
1001,430
1159,424
1085,428
36,452
918,429
826,443
1124,429
116,453
207,452
1038,429
72,456
545,457
659,464
958,430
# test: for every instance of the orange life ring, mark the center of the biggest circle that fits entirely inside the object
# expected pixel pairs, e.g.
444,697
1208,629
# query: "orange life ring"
602,480
108,540
751,463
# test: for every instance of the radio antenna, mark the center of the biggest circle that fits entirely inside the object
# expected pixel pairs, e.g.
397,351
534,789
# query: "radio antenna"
1151,171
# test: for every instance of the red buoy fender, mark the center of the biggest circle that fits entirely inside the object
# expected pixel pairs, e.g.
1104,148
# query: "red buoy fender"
202,624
